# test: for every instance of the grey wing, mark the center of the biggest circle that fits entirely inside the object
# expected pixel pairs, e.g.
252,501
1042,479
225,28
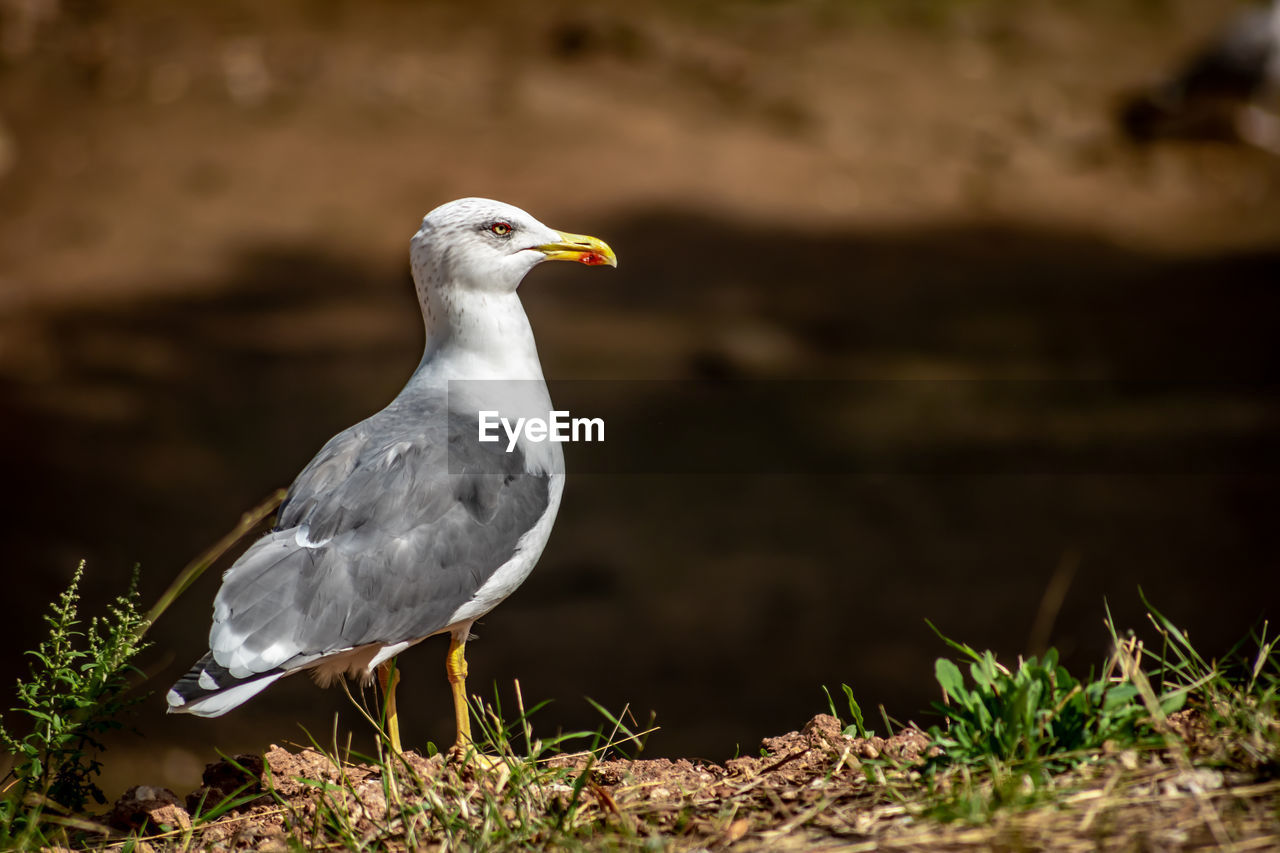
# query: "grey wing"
393,526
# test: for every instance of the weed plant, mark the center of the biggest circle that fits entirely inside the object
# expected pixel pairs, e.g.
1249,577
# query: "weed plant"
75,694
1037,712
1014,737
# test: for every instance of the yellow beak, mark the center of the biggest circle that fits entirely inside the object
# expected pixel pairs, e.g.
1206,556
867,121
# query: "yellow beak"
581,248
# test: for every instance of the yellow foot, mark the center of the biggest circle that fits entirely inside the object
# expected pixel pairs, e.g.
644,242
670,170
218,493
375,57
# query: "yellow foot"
469,753
468,760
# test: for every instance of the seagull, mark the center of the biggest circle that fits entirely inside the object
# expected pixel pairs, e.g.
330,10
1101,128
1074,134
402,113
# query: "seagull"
1222,91
407,524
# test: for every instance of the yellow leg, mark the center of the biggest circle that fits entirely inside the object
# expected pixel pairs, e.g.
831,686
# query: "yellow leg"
456,666
389,677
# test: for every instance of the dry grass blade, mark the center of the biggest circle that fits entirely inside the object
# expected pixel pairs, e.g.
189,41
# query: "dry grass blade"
1129,656
194,569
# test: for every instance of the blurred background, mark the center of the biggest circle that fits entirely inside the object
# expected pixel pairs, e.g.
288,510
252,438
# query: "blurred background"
906,326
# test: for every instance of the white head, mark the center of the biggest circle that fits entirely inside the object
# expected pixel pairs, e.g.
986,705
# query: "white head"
486,246
468,258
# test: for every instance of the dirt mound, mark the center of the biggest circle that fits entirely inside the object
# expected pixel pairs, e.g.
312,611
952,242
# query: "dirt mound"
262,791
807,790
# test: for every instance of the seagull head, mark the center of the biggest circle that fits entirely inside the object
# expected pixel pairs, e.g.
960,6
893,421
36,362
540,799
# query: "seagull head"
482,245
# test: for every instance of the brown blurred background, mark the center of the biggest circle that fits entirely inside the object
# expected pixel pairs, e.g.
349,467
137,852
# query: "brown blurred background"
204,219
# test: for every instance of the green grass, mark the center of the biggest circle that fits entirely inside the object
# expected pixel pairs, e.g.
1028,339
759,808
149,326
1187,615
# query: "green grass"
514,790
1036,714
856,727
1016,738
1237,697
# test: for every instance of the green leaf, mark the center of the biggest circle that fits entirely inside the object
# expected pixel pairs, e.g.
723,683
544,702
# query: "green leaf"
1173,702
831,704
950,679
1119,696
856,712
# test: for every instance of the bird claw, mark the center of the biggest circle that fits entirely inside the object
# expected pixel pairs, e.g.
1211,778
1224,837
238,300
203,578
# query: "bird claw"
465,757
465,754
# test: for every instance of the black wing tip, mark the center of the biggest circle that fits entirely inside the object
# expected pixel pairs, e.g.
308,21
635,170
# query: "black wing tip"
207,678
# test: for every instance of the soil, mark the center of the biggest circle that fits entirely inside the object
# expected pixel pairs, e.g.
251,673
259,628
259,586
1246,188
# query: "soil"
815,789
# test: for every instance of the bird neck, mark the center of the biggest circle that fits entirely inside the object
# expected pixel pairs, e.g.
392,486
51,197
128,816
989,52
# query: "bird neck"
478,335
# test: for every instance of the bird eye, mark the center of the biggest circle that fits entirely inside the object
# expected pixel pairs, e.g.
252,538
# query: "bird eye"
502,229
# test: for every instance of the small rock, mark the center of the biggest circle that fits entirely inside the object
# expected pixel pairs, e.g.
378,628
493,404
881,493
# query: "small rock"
144,806
823,729
224,778
1199,780
737,830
